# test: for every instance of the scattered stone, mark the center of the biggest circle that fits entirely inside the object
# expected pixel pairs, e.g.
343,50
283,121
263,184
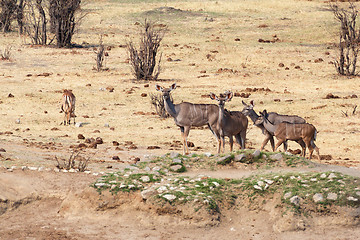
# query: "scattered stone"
332,196
17,121
257,187
115,143
145,179
224,160
82,145
143,95
177,160
99,140
295,200
146,194
352,199
277,157
79,124
318,197
10,95
176,168
116,158
169,197
208,154
256,153
287,195
174,154
2,150
93,145
153,147
240,157
80,136
323,175
24,168
106,125
33,168
162,189
332,175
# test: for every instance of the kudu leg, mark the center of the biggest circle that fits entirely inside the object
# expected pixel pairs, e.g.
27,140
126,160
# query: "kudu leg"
267,138
278,144
231,143
185,133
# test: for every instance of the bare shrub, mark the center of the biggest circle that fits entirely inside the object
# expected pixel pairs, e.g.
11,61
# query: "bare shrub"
35,21
348,39
8,8
63,20
6,54
75,161
100,56
143,60
158,103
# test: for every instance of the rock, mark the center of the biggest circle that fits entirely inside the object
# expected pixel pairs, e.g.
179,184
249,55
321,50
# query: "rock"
332,196
358,193
17,121
256,153
332,175
24,168
10,95
79,124
295,200
93,145
162,189
176,168
115,143
99,140
146,194
208,154
177,160
277,157
169,197
174,154
323,175
287,195
106,125
2,150
240,157
318,197
145,179
224,160
352,199
116,158
80,136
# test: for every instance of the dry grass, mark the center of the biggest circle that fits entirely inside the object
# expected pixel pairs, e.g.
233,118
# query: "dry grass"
306,33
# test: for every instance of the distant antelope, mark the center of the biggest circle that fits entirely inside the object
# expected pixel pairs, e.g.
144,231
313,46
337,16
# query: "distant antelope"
274,118
291,131
68,105
188,114
230,124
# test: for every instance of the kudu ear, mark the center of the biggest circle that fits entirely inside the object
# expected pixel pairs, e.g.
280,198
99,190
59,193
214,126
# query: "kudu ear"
213,96
244,103
173,86
158,87
229,96
252,103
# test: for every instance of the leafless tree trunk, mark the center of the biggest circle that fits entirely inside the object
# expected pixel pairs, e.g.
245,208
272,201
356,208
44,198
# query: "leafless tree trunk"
35,19
8,8
63,21
143,60
348,39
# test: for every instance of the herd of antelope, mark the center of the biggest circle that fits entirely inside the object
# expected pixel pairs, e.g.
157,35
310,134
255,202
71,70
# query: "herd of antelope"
234,123
225,123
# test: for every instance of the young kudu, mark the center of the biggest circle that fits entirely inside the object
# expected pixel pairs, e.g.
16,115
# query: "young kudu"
230,123
291,131
68,105
188,114
274,118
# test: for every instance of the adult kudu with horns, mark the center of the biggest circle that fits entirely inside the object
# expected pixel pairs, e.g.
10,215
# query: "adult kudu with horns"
188,114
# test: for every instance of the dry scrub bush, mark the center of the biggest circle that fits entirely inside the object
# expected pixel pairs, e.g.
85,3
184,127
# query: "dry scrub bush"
35,21
7,14
349,39
158,103
70,163
143,60
100,56
6,54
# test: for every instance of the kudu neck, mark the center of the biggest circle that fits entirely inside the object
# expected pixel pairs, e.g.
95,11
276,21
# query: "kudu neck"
253,116
269,126
169,106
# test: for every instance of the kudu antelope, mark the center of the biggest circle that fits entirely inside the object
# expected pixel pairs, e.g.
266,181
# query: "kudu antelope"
68,105
291,131
188,114
230,124
274,118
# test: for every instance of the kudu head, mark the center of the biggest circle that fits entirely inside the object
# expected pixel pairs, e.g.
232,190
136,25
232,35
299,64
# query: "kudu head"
248,108
262,118
226,97
165,91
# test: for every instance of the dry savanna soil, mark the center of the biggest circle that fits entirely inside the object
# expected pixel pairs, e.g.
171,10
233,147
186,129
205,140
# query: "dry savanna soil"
279,54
